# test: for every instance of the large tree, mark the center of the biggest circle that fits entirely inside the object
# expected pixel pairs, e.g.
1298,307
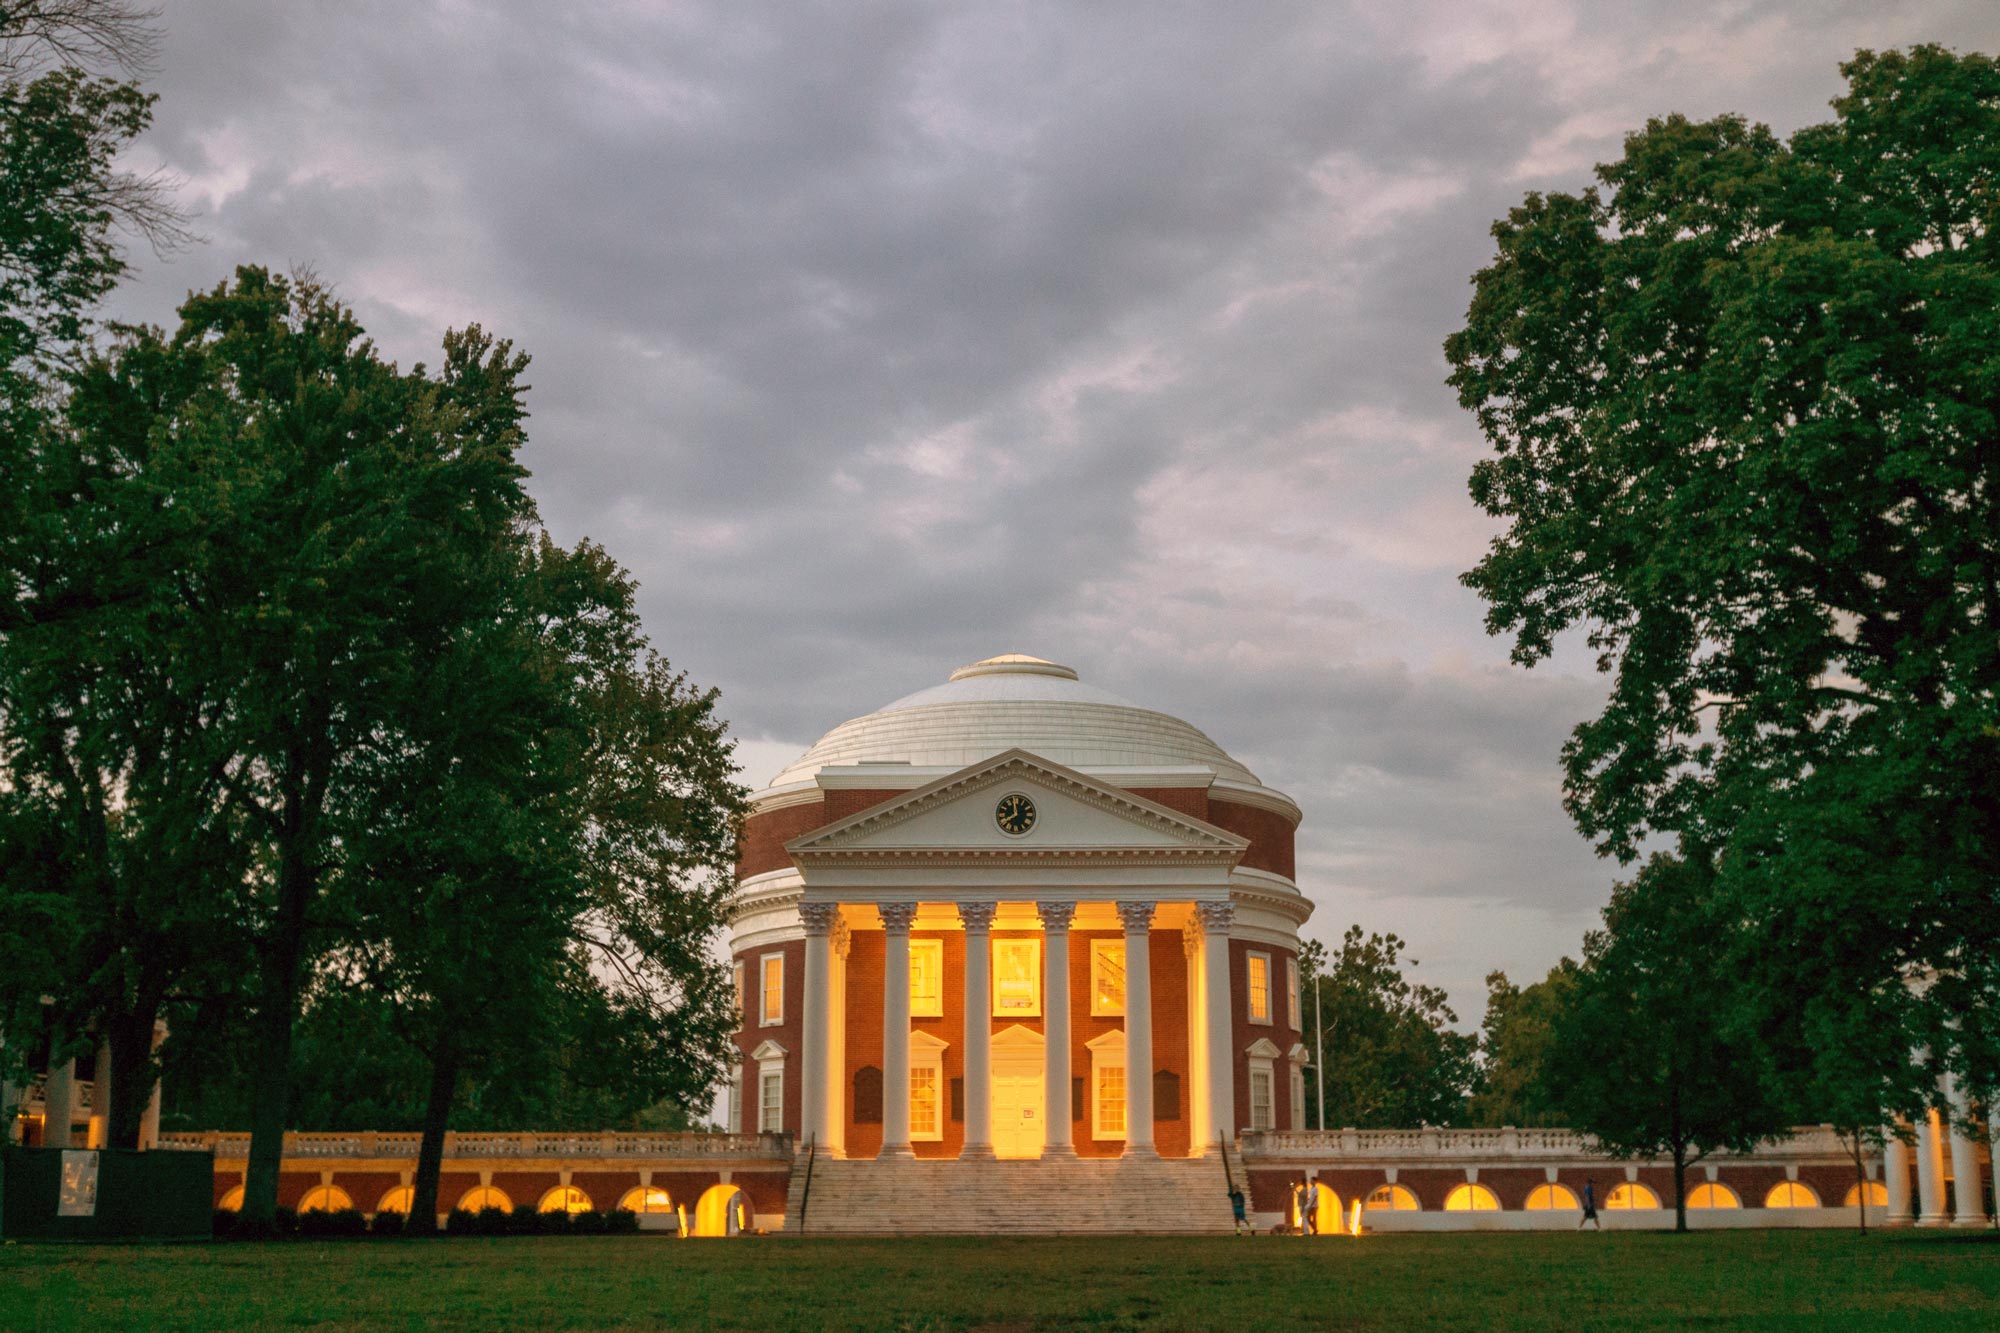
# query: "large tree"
1647,1053
1744,403
1515,1037
1392,1054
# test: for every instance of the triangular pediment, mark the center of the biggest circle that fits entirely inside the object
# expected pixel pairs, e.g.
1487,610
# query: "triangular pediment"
1072,815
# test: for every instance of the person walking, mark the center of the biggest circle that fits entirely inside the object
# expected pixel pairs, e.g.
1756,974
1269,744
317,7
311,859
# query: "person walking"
1590,1206
1309,1211
1236,1207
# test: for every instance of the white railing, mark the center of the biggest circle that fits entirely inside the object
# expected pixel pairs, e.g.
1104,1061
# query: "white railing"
1488,1145
601,1144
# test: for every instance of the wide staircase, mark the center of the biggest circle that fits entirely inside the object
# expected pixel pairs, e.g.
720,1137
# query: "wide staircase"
1147,1196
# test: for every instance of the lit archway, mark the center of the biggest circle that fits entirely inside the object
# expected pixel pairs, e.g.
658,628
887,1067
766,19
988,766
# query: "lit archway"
564,1199
397,1200
1391,1199
1632,1195
232,1202
1326,1217
1877,1194
646,1199
481,1197
1551,1198
723,1210
326,1199
1791,1194
1711,1195
1471,1198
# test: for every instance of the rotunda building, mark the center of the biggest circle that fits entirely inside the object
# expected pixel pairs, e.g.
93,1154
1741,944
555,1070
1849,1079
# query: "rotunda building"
1017,916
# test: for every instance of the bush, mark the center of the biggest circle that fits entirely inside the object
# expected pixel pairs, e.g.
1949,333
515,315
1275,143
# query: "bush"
285,1222
389,1224
224,1225
321,1224
461,1223
493,1222
555,1223
588,1223
621,1222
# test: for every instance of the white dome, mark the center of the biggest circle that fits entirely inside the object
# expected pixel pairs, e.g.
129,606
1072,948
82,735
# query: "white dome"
1010,701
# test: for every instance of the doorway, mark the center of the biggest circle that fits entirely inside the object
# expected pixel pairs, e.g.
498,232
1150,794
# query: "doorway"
1018,1093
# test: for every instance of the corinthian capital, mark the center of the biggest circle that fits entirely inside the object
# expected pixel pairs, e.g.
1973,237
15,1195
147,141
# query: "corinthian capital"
819,917
1056,916
1138,917
1216,918
977,918
896,917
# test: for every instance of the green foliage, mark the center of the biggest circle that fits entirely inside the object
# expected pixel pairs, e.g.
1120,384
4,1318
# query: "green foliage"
1646,1054
1392,1057
1514,1042
1742,400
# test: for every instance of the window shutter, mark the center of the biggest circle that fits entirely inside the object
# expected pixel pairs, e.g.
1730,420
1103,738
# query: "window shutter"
1166,1095
958,1101
868,1095
1076,1102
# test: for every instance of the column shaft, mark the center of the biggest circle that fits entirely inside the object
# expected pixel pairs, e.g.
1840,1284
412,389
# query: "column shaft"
1138,919
896,918
1896,1177
1930,1173
977,918
1216,919
1968,1193
1200,1134
1060,1140
816,1062
58,1105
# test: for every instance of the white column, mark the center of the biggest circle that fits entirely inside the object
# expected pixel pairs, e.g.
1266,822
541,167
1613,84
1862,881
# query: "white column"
58,1105
1969,1194
1896,1177
816,1062
100,1100
836,1111
896,918
1930,1172
1060,1141
1199,1133
149,1124
1216,918
977,919
1138,919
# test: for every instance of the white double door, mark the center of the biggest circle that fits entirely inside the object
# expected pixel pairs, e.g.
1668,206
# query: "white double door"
1018,1094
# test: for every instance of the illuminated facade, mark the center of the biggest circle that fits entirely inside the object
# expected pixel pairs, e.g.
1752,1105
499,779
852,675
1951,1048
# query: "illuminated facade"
1014,917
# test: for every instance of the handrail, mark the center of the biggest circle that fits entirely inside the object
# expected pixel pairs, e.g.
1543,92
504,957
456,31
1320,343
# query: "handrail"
805,1195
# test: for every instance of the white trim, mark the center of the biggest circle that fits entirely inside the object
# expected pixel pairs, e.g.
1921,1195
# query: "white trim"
1250,988
927,1052
764,1018
1100,944
1107,1052
1268,1070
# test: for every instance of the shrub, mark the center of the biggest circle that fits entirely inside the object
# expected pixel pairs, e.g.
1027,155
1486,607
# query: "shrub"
224,1225
461,1223
320,1224
621,1222
493,1222
389,1224
551,1224
588,1223
285,1222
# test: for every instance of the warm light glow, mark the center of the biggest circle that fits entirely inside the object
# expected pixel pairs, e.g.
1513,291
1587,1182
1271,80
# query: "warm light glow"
481,1197
232,1202
927,978
720,1205
1017,978
646,1199
325,1199
1713,1196
1326,1217
1878,1195
1548,1198
397,1200
924,1102
1393,1199
1354,1220
774,988
1107,978
1260,987
1632,1196
1791,1194
1110,1102
1471,1199
564,1199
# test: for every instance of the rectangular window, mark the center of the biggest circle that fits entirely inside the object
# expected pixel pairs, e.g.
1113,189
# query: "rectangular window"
1017,978
1260,1097
1107,978
771,1115
736,1099
1298,1097
1292,994
927,978
773,1011
925,1122
1260,987
1108,1116
741,1008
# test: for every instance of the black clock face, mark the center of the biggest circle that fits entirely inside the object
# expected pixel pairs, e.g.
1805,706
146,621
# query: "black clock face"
1015,814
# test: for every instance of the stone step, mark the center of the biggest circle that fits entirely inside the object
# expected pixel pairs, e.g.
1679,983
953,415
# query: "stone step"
932,1196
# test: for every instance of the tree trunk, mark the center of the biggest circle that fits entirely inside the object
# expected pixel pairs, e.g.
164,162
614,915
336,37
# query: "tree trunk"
277,1006
1680,1188
1860,1183
430,1150
133,1074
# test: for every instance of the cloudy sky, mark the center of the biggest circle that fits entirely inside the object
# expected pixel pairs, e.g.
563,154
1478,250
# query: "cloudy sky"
877,338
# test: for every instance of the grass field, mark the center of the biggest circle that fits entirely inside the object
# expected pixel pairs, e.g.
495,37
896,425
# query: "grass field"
1635,1280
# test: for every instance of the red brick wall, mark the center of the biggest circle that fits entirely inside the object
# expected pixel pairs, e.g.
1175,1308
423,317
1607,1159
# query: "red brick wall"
1280,1030
840,804
606,1188
452,1186
789,1034
1191,801
1512,1185
864,1035
366,1188
525,1188
1270,835
765,833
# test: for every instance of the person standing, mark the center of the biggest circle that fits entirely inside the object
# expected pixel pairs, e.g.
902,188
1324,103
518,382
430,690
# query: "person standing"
1590,1206
1309,1214
1236,1207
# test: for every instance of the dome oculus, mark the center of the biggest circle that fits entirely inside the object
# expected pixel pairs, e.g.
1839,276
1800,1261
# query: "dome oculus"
1015,814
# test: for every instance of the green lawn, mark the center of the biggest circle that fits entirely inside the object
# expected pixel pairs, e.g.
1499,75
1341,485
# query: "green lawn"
1898,1280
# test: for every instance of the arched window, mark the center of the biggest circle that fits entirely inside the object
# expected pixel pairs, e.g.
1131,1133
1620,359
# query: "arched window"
1632,1196
1391,1198
1471,1199
1710,1195
646,1199
481,1197
397,1200
1547,1198
1878,1195
232,1202
325,1199
1791,1194
564,1199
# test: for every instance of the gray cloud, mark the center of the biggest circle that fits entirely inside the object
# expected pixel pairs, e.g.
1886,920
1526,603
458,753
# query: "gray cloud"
880,337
